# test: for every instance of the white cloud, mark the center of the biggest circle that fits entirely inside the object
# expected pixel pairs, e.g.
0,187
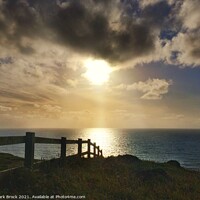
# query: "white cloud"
173,116
52,108
36,105
184,49
5,108
190,14
144,3
121,87
72,82
151,89
62,5
45,75
186,46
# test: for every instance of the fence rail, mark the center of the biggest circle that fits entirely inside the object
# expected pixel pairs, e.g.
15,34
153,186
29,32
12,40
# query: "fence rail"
12,140
30,140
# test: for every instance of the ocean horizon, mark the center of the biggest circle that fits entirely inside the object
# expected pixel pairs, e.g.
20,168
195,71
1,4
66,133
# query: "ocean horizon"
159,145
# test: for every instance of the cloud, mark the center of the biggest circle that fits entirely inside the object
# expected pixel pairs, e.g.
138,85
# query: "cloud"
152,88
189,14
123,32
17,20
145,3
6,60
41,77
173,116
72,83
63,5
52,108
103,29
184,49
157,14
97,30
5,108
43,43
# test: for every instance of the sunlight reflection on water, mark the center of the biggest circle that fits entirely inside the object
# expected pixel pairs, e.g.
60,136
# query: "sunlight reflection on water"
156,145
103,138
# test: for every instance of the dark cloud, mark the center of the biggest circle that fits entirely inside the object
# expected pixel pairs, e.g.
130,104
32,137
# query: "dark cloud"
157,14
22,96
18,20
194,41
85,26
116,30
26,49
91,32
6,60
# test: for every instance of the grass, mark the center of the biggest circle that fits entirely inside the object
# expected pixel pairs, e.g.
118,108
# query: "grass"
8,161
113,178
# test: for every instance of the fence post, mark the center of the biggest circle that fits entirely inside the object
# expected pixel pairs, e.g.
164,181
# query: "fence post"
89,141
98,153
94,149
79,147
29,149
101,153
63,148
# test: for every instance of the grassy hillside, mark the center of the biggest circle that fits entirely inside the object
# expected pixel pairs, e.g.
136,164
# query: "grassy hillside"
9,161
122,177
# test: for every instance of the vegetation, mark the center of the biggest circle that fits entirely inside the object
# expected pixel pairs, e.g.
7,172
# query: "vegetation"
122,177
8,161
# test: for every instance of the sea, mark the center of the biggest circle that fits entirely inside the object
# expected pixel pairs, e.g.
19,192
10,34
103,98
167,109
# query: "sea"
159,145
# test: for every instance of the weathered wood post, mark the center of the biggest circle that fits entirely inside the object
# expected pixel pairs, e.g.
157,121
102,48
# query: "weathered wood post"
79,147
29,149
98,151
63,148
89,141
94,149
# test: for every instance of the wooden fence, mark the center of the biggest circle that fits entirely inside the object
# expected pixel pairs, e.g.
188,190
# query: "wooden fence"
92,149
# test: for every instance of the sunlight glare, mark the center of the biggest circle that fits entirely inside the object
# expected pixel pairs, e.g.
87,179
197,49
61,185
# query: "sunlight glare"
98,71
102,136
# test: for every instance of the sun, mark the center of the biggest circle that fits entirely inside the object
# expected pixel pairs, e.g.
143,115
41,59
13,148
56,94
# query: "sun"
97,71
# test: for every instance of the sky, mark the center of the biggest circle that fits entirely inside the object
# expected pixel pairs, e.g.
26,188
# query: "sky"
99,63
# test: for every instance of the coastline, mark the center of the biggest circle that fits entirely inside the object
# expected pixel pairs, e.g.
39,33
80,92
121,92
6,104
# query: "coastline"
121,177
